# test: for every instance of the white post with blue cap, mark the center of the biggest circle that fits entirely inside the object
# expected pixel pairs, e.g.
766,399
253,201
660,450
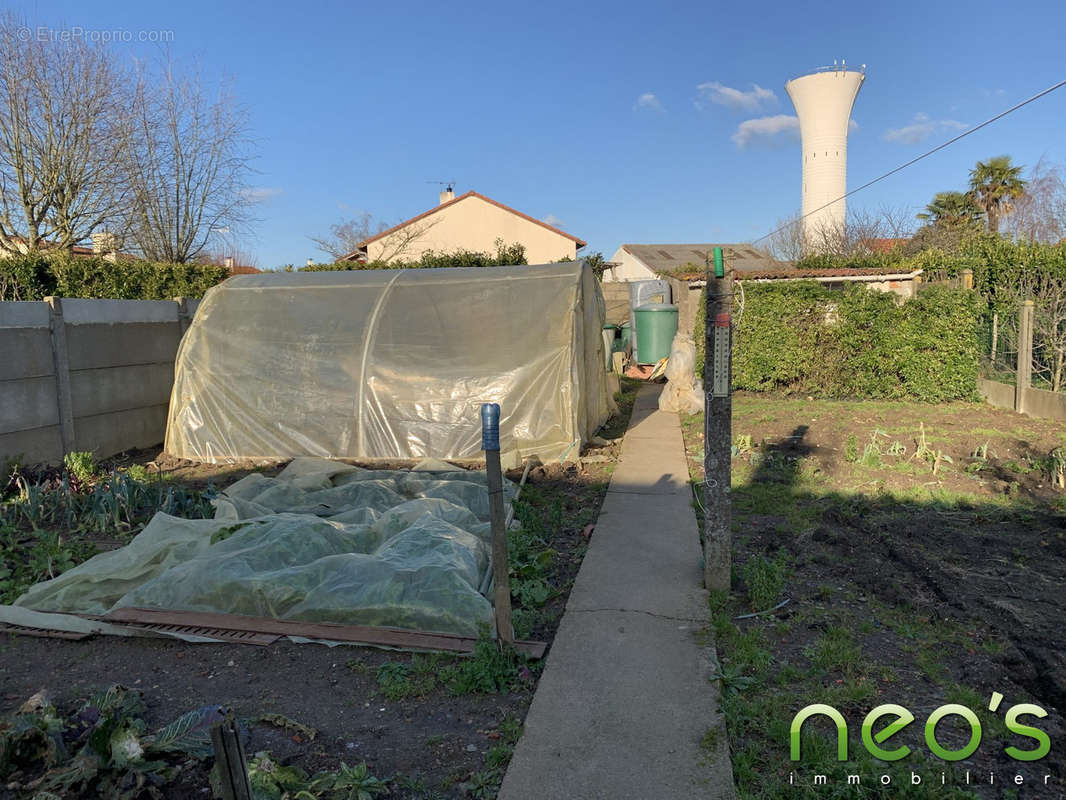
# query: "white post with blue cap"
490,443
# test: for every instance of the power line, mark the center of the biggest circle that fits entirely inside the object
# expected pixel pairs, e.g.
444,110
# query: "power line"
915,160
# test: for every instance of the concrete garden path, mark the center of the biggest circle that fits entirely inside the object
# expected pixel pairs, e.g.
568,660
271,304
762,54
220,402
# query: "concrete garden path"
624,706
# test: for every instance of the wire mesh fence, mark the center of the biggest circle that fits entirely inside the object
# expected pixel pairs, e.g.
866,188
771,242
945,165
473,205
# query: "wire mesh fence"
1049,348
1000,342
999,346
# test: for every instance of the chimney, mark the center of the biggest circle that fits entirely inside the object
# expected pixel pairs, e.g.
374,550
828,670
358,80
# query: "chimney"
447,196
310,262
228,262
104,243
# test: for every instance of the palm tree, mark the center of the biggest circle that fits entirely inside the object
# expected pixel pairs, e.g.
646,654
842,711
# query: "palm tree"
954,210
993,184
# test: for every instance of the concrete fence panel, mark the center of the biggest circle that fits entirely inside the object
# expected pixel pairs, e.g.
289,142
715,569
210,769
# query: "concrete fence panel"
29,414
1027,400
122,388
107,434
1042,403
29,403
27,353
998,394
78,374
97,346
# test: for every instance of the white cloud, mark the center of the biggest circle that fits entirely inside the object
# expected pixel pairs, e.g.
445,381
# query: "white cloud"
921,128
649,101
752,100
765,128
553,220
259,194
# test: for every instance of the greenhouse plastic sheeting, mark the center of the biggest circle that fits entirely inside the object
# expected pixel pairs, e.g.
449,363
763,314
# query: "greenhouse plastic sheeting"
322,542
392,364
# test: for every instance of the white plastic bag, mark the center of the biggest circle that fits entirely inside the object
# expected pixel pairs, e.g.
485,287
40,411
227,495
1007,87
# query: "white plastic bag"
683,393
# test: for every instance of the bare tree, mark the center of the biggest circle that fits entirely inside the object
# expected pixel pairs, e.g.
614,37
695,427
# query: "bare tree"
1045,285
345,236
189,164
1049,329
239,256
877,231
63,126
786,242
862,233
348,236
1040,213
897,222
398,245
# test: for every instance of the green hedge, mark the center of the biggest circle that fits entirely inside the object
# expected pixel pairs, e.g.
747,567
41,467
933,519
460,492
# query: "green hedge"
999,265
506,254
33,277
801,337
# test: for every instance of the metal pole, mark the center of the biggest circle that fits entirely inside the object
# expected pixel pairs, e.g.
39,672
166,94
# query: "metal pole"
490,443
718,428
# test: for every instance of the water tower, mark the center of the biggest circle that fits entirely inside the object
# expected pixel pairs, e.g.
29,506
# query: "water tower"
823,101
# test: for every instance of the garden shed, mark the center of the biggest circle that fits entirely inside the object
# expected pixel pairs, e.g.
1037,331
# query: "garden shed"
392,364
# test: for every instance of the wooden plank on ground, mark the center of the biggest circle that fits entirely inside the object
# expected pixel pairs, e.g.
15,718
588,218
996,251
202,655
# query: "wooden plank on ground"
46,633
360,634
222,635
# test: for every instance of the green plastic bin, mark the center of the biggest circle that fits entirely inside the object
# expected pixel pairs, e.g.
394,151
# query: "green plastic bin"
656,327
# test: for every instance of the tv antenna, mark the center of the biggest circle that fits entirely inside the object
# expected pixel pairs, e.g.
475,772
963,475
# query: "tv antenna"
448,185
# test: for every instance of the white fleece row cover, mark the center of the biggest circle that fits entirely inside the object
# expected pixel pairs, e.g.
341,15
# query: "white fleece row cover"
321,542
392,364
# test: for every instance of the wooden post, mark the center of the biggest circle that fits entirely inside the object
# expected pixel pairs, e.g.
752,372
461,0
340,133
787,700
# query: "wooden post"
718,429
229,757
490,443
61,363
1024,372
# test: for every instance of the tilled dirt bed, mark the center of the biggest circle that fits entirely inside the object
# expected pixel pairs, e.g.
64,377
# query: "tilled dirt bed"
431,743
902,585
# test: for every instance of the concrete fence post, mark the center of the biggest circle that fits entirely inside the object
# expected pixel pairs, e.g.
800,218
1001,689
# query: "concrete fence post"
61,362
995,335
184,316
1025,355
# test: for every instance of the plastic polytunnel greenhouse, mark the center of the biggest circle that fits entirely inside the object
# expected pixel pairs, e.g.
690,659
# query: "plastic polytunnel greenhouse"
392,364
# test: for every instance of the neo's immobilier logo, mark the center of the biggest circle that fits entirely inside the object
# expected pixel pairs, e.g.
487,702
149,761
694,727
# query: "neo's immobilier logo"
876,741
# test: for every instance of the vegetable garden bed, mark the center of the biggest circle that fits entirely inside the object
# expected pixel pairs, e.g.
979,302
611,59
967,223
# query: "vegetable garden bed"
424,725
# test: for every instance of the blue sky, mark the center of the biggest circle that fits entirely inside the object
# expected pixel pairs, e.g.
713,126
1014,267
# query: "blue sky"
355,106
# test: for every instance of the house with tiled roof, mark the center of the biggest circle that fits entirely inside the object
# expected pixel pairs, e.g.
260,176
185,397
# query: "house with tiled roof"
104,245
872,245
684,266
472,222
638,262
